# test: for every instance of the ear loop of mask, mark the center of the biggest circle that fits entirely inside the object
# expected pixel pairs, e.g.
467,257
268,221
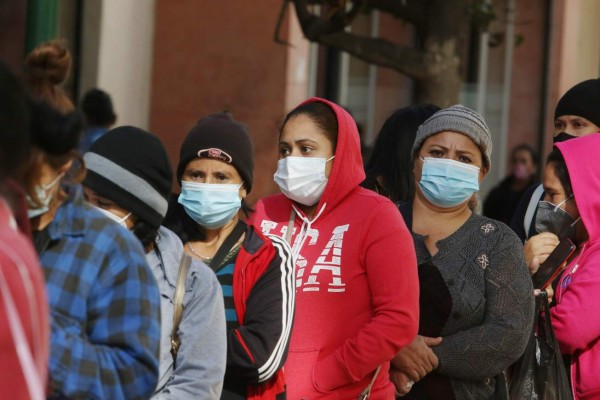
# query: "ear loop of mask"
563,202
50,185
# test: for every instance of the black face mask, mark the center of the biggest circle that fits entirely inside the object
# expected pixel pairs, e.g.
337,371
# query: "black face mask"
562,137
551,218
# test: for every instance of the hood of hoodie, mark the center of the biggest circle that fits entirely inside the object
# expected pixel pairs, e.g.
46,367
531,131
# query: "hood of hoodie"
581,156
347,171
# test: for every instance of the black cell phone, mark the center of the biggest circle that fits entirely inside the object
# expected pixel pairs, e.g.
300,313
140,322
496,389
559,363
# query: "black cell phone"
553,265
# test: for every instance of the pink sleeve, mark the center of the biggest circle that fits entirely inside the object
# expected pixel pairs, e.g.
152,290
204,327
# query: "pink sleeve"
391,265
576,318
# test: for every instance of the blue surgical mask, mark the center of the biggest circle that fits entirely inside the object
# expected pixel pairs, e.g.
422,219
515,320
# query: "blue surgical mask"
44,195
210,205
447,183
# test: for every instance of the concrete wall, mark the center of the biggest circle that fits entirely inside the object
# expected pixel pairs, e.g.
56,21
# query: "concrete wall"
580,58
216,55
526,100
117,55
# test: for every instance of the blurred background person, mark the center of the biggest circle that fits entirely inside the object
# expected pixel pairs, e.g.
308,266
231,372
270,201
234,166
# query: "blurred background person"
24,322
129,178
256,272
502,201
104,301
389,170
99,116
476,296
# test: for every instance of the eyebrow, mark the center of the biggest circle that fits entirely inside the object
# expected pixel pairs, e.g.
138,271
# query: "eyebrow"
218,171
299,141
467,152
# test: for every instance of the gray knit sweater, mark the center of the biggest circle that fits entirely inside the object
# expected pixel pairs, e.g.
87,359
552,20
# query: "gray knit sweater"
483,267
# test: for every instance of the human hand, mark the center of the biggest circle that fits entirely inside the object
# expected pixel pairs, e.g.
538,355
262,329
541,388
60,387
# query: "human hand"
549,291
401,381
417,359
537,248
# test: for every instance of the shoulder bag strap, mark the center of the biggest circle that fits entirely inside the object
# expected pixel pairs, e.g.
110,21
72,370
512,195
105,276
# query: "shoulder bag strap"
533,202
365,394
184,266
229,242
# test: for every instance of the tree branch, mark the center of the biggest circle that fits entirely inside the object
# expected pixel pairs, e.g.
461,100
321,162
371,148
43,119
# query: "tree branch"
280,18
412,11
411,62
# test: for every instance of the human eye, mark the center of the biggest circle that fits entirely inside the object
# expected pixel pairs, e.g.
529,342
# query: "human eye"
193,175
284,151
220,177
559,125
465,159
436,153
579,124
306,149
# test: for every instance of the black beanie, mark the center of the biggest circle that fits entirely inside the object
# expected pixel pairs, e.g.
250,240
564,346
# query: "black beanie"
220,137
582,100
131,167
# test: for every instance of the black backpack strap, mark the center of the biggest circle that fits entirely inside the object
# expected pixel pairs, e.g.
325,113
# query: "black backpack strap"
229,242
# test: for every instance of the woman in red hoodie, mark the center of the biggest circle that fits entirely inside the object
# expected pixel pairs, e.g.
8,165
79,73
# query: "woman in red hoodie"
356,276
24,325
572,184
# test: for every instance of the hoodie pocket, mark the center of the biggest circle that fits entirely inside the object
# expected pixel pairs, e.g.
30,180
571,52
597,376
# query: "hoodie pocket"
325,376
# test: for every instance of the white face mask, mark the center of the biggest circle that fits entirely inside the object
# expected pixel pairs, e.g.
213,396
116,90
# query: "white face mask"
302,179
44,195
117,219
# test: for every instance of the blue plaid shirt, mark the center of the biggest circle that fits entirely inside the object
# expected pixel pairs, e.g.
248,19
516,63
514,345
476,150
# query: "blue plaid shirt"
105,307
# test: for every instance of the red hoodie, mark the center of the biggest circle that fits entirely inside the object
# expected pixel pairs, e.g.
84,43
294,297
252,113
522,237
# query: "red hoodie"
576,316
357,283
24,326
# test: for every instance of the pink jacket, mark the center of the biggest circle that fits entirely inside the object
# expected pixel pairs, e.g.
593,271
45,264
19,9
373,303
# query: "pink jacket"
576,316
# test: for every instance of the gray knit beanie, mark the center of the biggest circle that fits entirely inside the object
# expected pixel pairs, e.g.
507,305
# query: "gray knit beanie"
460,119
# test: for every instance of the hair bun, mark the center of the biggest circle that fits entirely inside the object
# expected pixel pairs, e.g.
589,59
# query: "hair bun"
51,61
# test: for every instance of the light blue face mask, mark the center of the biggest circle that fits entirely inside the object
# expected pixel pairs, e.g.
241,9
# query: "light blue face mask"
447,183
210,205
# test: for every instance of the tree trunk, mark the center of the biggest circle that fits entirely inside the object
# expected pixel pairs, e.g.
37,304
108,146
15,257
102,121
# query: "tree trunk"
441,90
443,37
434,65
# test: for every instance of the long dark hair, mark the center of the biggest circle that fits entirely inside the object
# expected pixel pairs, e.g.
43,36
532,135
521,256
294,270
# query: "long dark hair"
391,157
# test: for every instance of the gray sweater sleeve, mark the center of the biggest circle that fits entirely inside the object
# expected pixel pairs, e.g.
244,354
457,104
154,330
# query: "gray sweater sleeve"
488,349
201,357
